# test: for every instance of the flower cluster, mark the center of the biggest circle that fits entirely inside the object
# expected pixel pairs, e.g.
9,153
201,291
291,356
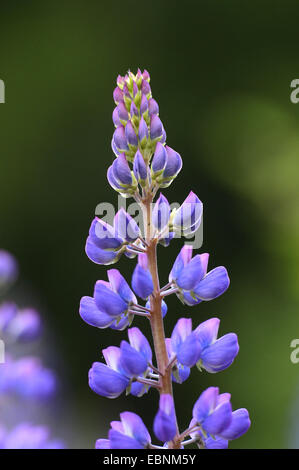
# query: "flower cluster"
22,377
143,165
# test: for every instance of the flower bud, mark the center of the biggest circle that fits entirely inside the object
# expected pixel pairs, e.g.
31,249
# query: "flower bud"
140,168
131,135
161,213
153,107
142,131
143,105
165,421
142,282
119,138
159,160
122,112
117,95
156,127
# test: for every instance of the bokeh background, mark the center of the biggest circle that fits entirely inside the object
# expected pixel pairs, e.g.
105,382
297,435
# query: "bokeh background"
221,72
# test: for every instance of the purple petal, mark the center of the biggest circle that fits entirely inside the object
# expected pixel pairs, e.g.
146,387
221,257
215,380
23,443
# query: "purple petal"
188,352
205,404
207,332
103,235
213,284
215,443
99,256
159,158
135,427
105,381
121,170
220,354
161,213
125,226
119,138
174,163
142,282
165,421
182,260
122,111
117,95
143,104
130,134
139,166
239,425
120,286
121,441
142,130
139,342
90,313
108,301
156,127
190,274
102,444
219,419
132,362
153,107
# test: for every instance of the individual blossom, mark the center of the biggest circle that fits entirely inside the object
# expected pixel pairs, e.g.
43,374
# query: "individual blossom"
128,433
185,343
192,282
165,170
161,213
130,361
213,414
187,218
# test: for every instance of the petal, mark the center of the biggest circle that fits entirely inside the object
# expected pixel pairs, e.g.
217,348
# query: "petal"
135,427
103,235
133,363
165,427
213,284
102,444
219,419
207,332
105,381
99,256
121,441
174,163
217,443
190,274
181,331
161,213
142,282
121,170
112,356
139,342
182,260
189,213
125,226
120,286
205,404
188,352
108,301
139,166
159,158
220,354
239,425
90,313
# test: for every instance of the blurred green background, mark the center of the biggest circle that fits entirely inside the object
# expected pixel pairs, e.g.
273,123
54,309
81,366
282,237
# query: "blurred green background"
221,72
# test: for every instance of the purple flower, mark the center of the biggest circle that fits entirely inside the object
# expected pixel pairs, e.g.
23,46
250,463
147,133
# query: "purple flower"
165,427
142,131
125,226
117,95
172,168
8,268
153,107
29,436
161,213
192,280
129,433
131,135
108,380
159,160
25,325
156,127
90,313
115,297
187,217
216,354
185,343
143,104
140,168
179,373
142,282
119,138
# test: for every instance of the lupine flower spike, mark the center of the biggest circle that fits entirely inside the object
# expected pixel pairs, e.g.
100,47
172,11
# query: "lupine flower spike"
143,167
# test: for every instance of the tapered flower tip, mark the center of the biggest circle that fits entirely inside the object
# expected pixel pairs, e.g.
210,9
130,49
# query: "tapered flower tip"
145,75
132,362
189,213
108,301
161,213
207,332
130,134
125,226
143,104
99,256
121,170
112,356
90,313
215,283
174,163
120,286
145,87
181,331
183,258
190,275
105,381
214,417
134,426
165,421
142,282
119,138
184,343
8,310
220,354
153,107
139,167
117,95
122,112
142,130
133,110
156,127
26,325
139,342
115,117
159,159
239,425
8,268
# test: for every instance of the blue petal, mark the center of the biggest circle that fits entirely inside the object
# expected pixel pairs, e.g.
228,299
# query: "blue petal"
121,441
219,419
182,260
239,425
108,301
142,282
161,213
188,352
217,443
125,226
99,256
103,236
120,286
139,342
213,284
134,426
181,331
190,274
207,332
165,421
205,404
220,354
105,381
90,313
132,362
102,444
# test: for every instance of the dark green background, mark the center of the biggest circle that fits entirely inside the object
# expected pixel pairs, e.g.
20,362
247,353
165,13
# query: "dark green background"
221,72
